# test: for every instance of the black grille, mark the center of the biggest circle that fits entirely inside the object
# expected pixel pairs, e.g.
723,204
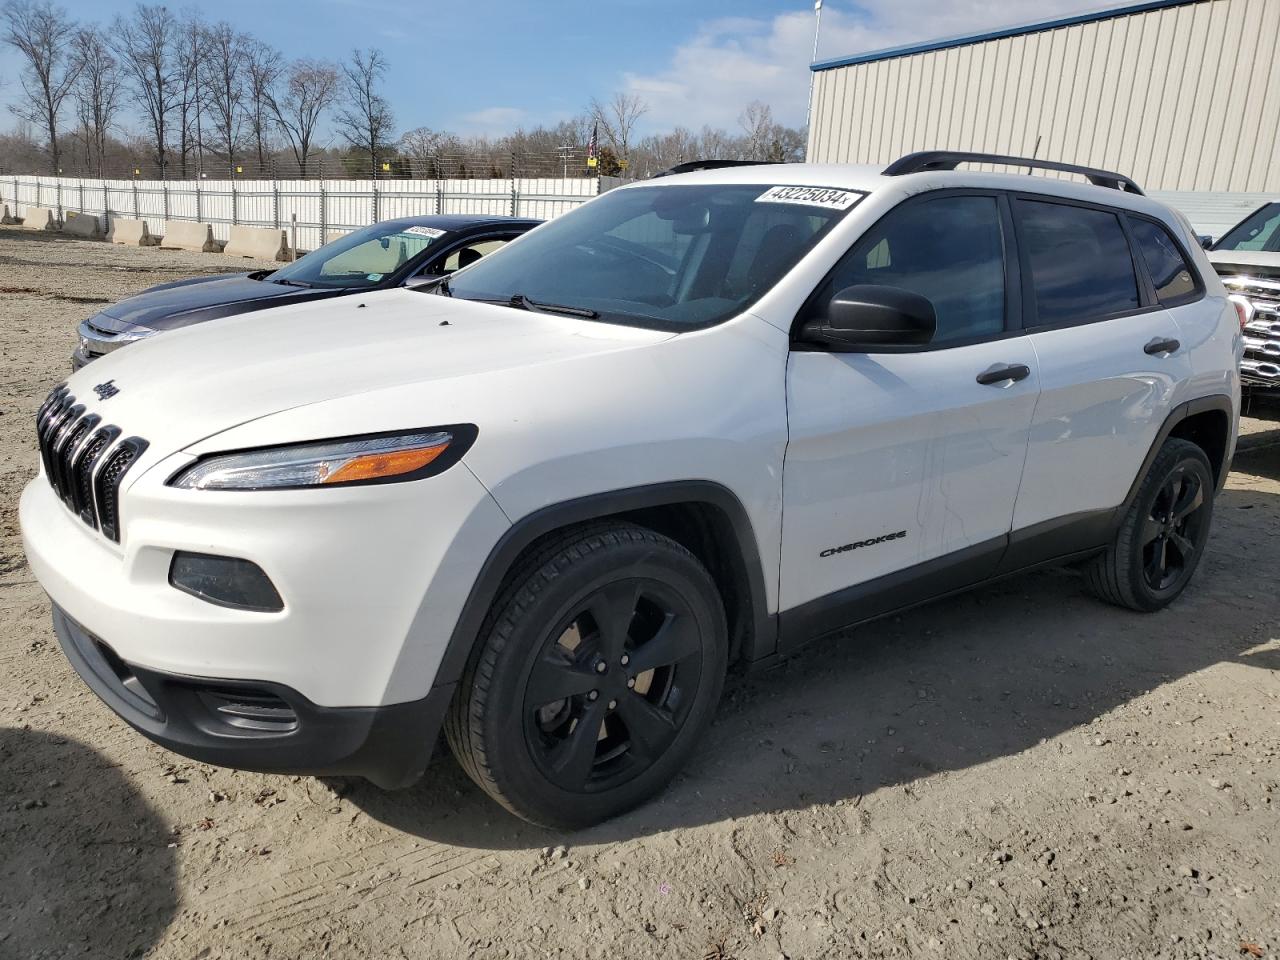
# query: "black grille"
82,474
66,454
107,484
71,450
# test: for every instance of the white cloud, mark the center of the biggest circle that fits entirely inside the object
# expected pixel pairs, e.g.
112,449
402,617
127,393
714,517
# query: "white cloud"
493,121
735,60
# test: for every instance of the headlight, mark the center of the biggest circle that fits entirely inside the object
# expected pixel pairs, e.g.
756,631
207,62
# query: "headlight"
381,458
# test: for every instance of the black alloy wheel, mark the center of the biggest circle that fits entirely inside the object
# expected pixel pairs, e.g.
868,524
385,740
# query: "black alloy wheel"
1173,531
612,685
1162,536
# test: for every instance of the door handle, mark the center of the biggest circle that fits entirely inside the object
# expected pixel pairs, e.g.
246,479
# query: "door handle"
1161,345
1003,372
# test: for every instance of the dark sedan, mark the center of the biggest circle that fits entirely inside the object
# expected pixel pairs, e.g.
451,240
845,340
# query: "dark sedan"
388,254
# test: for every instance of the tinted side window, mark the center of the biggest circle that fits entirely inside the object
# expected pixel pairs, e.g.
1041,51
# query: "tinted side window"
1260,231
950,250
1170,272
1081,267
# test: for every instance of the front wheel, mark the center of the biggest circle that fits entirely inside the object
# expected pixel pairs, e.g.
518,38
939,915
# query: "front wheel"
1163,534
600,664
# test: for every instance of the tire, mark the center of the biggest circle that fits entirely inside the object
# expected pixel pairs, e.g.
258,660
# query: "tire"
1146,574
559,655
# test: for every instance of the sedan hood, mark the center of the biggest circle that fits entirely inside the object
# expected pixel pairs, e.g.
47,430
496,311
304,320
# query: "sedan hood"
178,389
185,302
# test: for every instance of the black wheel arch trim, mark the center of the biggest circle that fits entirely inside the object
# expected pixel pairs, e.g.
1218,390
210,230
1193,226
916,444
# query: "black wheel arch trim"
761,642
1213,403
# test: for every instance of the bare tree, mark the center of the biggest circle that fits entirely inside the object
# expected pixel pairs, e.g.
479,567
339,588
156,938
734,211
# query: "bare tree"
222,79
618,119
365,119
188,55
433,153
263,67
310,89
42,33
766,139
146,46
757,123
96,94
664,151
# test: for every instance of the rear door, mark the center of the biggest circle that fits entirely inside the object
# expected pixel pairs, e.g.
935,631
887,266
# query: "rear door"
1110,358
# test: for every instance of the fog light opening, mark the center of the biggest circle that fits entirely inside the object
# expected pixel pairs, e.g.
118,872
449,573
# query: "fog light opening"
225,581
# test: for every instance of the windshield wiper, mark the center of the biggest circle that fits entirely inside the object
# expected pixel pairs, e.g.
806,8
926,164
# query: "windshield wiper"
524,303
294,283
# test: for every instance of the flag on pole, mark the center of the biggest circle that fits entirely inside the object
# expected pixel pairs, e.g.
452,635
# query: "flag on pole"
593,146
817,4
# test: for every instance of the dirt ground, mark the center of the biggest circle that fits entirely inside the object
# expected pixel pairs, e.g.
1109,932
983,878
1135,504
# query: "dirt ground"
1021,772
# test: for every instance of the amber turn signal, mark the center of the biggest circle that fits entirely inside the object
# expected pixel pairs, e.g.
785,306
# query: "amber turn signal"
376,466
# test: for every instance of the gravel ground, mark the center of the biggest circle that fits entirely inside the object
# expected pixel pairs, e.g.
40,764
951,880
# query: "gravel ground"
1020,772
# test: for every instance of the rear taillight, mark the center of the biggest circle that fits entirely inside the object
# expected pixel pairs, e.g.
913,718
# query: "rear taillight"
1244,309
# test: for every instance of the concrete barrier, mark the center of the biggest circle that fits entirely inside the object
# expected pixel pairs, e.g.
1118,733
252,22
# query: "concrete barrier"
132,233
83,225
40,218
263,243
190,235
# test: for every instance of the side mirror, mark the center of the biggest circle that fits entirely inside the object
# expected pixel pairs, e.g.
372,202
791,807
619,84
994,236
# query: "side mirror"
1206,241
868,316
422,280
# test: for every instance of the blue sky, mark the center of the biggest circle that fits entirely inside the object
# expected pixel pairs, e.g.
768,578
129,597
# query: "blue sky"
487,66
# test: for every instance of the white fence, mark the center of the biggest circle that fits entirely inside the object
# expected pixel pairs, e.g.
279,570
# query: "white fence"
323,208
326,208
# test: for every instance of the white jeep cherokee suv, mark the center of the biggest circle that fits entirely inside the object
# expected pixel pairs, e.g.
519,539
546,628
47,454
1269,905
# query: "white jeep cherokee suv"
692,424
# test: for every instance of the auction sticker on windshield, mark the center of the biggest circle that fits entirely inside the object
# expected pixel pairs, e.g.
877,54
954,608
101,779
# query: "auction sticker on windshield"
431,232
827,197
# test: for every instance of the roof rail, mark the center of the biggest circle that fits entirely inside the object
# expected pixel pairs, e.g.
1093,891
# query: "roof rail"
694,165
950,159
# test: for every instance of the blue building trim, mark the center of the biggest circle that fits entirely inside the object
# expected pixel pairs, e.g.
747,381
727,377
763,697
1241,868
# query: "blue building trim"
946,43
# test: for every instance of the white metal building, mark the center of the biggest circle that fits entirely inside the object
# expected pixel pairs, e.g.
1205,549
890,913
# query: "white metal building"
1181,95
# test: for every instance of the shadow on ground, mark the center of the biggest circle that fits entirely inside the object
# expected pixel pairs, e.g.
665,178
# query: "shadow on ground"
945,687
85,866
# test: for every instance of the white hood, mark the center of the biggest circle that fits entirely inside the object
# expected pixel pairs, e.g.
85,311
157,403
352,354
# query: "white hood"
181,387
1246,259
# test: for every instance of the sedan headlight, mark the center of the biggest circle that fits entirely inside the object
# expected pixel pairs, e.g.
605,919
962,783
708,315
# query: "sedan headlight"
380,458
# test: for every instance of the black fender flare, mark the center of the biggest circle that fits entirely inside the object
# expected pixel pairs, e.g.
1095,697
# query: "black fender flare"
523,532
1216,402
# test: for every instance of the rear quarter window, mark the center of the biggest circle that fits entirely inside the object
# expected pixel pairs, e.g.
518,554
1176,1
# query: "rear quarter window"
1171,275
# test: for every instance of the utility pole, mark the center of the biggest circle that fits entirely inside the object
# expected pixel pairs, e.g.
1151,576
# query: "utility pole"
817,30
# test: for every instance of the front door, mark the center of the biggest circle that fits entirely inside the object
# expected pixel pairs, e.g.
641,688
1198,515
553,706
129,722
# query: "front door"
903,467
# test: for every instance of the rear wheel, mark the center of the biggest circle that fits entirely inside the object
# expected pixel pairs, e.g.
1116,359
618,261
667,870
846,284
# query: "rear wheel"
1163,535
601,662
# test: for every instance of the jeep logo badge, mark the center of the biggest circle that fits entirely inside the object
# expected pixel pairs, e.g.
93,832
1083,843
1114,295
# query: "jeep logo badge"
106,391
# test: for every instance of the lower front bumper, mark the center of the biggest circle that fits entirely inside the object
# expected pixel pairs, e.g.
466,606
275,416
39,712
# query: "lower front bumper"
259,726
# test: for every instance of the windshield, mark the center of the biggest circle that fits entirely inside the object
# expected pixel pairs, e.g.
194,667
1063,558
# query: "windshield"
670,256
1261,231
363,258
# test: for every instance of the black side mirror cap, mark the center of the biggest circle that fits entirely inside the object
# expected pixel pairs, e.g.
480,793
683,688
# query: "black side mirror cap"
868,316
1206,241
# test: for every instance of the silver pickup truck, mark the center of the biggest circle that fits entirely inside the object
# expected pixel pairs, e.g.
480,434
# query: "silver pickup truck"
1248,259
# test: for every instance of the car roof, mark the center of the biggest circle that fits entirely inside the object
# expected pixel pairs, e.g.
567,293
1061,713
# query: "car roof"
870,178
454,222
